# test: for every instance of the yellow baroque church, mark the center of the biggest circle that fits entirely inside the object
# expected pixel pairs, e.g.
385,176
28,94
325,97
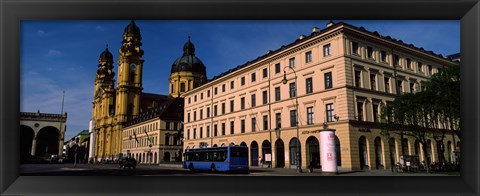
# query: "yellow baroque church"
129,122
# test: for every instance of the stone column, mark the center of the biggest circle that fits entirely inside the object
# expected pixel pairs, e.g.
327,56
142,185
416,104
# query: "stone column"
34,146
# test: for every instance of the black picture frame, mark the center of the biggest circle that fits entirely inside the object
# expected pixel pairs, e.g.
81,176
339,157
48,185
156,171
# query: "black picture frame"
12,12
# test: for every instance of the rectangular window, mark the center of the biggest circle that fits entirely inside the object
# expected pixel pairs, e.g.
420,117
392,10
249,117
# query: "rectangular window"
383,56
167,125
254,78
232,106
188,117
254,124
194,115
215,130
369,52
265,97
215,90
373,83
357,78
215,110
254,100
223,88
292,90
293,118
201,96
412,87
189,99
277,68
308,57
223,108
328,80
419,66
242,80
188,134
291,62
399,86
223,128
430,69
265,122
396,59
329,110
242,103
265,73
277,93
208,93
242,126
182,87
310,115
195,98
201,114
409,63
201,132
232,127
360,111
232,85
375,112
208,112
354,48
387,84
208,131
309,85
194,133
326,50
278,120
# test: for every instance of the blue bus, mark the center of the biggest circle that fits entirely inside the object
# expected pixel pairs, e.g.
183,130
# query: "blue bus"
225,159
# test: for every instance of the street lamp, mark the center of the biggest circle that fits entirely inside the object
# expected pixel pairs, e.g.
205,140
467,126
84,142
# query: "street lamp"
284,81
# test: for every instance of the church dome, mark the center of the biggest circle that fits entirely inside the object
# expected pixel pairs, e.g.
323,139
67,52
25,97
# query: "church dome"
106,56
188,61
132,28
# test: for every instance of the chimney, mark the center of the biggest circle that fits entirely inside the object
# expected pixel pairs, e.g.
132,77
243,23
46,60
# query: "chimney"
330,23
315,30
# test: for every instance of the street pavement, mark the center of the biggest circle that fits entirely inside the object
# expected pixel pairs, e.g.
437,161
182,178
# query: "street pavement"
176,170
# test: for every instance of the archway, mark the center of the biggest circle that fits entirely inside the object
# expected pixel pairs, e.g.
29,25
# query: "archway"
405,147
393,154
155,158
266,152
254,153
166,156
26,139
378,153
47,142
280,153
313,152
293,151
338,151
362,150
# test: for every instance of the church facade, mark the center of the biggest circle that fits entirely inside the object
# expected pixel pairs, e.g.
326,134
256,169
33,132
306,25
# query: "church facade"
119,105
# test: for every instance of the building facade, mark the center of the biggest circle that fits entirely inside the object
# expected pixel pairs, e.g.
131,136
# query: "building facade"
116,107
41,135
340,76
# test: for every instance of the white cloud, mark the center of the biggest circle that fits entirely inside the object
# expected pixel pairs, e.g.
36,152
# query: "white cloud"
41,33
53,53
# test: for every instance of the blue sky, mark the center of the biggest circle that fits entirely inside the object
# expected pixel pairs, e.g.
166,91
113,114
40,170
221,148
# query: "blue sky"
63,55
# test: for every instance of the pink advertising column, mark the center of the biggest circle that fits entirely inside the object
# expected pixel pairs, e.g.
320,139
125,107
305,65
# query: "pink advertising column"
328,151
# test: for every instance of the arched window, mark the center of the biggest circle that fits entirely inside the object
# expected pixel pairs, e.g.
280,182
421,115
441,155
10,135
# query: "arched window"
378,153
294,150
362,147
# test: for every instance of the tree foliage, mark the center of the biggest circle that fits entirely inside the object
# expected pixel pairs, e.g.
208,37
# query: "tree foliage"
430,113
